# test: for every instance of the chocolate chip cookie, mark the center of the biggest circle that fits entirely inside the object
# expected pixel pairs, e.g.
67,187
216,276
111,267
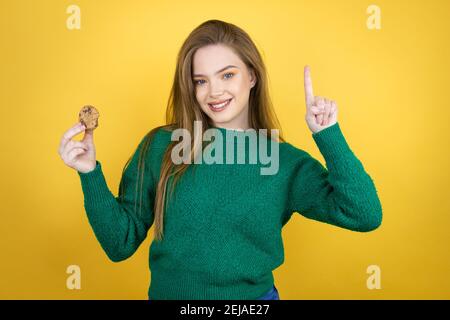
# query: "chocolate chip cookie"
88,116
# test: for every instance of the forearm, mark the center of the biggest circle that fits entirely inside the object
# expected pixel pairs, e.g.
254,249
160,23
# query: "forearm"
353,197
117,227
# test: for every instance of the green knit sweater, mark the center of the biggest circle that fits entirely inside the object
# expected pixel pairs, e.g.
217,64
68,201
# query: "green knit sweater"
223,223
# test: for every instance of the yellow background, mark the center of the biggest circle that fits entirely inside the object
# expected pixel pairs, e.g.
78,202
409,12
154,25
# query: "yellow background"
391,86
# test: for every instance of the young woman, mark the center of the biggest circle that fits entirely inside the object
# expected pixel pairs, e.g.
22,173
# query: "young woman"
218,224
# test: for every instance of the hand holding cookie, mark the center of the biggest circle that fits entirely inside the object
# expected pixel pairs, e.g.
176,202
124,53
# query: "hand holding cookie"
80,155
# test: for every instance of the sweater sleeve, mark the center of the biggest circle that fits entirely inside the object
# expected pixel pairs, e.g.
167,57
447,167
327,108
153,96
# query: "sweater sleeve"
344,195
118,223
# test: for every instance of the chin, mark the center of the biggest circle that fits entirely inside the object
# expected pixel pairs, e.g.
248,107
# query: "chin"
222,118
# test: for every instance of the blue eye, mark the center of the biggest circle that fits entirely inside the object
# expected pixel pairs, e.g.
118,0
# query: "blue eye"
197,82
232,74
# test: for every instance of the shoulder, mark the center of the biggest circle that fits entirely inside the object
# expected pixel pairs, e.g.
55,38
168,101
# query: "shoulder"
151,148
294,160
162,136
153,144
156,138
289,152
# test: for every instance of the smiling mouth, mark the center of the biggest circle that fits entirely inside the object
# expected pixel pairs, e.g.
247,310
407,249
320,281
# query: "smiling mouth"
221,106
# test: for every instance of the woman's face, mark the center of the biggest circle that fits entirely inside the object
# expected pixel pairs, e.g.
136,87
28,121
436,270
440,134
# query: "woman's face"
220,75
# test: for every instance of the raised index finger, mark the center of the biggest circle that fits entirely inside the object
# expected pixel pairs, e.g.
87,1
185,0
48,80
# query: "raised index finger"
69,134
309,95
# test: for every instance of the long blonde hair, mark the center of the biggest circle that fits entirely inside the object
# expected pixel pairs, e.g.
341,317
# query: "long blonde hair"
183,108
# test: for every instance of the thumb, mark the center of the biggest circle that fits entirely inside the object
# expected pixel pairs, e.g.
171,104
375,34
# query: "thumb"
88,136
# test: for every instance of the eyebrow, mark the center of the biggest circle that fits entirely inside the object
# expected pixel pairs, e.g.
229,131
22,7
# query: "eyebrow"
227,67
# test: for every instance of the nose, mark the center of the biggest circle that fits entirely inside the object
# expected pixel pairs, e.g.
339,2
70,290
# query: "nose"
216,89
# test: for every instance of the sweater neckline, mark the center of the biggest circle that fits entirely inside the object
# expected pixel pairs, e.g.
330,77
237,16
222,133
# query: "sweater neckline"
238,133
231,130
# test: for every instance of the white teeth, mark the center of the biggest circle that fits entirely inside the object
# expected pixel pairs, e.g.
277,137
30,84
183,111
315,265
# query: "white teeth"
217,106
220,105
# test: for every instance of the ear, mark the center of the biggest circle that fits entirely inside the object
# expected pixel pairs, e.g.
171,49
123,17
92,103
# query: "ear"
252,78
